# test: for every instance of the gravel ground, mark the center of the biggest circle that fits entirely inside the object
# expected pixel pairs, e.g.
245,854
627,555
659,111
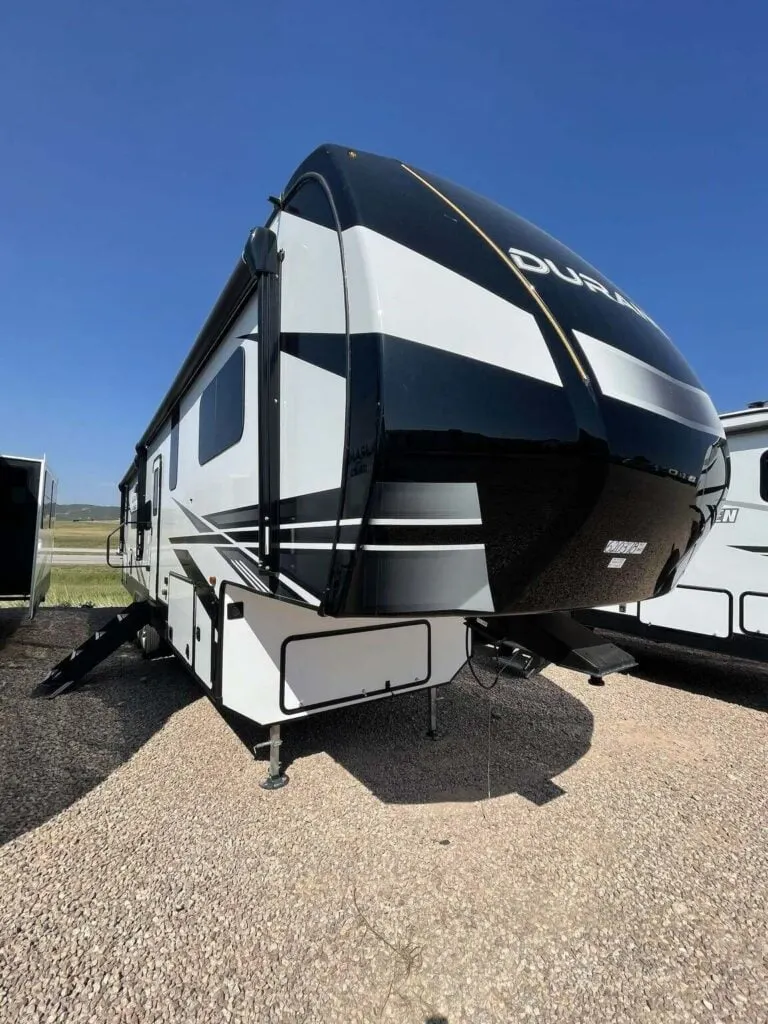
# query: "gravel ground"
617,873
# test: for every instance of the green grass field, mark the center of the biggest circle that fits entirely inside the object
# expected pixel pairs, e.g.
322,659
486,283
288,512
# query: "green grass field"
81,535
79,585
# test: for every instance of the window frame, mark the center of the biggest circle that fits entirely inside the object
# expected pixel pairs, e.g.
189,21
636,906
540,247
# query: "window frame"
173,461
763,481
156,490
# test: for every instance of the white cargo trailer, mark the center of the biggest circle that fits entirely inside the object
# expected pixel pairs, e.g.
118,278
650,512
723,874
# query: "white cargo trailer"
27,518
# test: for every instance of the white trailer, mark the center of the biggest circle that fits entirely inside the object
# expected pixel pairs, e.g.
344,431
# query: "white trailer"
721,601
27,519
412,418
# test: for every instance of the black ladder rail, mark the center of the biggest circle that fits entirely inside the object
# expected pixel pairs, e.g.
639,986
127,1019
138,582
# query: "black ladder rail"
97,647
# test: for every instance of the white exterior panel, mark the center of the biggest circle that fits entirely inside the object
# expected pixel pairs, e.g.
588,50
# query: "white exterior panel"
312,420
203,640
181,610
252,652
693,611
312,292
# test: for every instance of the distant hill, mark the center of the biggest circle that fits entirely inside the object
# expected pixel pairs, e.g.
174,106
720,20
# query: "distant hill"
99,513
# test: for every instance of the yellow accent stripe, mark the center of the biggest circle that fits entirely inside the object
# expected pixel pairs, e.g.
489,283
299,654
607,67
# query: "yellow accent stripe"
515,270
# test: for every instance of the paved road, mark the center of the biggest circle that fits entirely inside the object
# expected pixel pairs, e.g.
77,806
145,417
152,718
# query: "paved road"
616,875
79,556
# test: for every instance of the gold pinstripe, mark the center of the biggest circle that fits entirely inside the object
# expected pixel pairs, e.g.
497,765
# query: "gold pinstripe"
515,270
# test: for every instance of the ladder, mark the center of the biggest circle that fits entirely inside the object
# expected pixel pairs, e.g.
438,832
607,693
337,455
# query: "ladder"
97,647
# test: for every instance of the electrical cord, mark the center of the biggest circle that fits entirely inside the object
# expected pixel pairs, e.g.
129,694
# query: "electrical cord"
499,673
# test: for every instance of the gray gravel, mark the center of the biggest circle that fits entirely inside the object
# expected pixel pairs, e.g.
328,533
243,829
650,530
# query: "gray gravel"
618,872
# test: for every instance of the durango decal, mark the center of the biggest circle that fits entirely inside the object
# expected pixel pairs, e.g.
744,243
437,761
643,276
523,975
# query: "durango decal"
532,264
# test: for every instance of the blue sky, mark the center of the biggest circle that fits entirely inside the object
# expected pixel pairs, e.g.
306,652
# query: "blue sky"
138,143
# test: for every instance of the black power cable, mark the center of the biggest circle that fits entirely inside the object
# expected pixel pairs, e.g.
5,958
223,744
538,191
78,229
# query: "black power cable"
499,673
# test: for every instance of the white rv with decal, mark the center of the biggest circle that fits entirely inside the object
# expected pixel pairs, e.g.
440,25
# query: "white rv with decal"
387,441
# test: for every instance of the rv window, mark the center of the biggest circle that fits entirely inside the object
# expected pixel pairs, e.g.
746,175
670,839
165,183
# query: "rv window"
764,476
156,491
173,471
222,409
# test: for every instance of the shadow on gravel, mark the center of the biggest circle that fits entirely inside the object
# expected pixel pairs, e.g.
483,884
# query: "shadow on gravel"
520,735
711,675
10,620
54,751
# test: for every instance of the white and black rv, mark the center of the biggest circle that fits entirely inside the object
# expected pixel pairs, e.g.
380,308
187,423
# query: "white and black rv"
721,601
27,518
410,414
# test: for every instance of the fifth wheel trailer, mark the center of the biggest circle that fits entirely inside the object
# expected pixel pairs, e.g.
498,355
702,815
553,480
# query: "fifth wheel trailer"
27,516
721,601
411,418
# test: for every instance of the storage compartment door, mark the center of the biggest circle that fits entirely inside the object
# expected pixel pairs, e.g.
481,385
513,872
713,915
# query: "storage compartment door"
754,614
181,611
345,665
203,642
707,612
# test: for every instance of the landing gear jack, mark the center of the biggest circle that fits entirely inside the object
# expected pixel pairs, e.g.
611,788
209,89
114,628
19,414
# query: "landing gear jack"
275,778
432,707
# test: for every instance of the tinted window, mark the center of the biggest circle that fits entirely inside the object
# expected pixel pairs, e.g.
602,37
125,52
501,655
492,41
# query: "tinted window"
173,472
46,512
764,476
156,491
222,409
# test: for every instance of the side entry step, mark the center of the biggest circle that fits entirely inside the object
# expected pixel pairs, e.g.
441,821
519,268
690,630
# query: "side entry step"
97,647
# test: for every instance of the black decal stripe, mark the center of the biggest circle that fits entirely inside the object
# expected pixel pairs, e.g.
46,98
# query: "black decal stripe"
275,588
197,522
209,538
203,588
406,582
234,555
308,568
326,351
318,506
748,547
246,515
318,535
244,536
666,445
415,499
442,534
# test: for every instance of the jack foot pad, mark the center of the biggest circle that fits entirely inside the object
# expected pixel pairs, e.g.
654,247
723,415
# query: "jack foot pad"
596,681
274,782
